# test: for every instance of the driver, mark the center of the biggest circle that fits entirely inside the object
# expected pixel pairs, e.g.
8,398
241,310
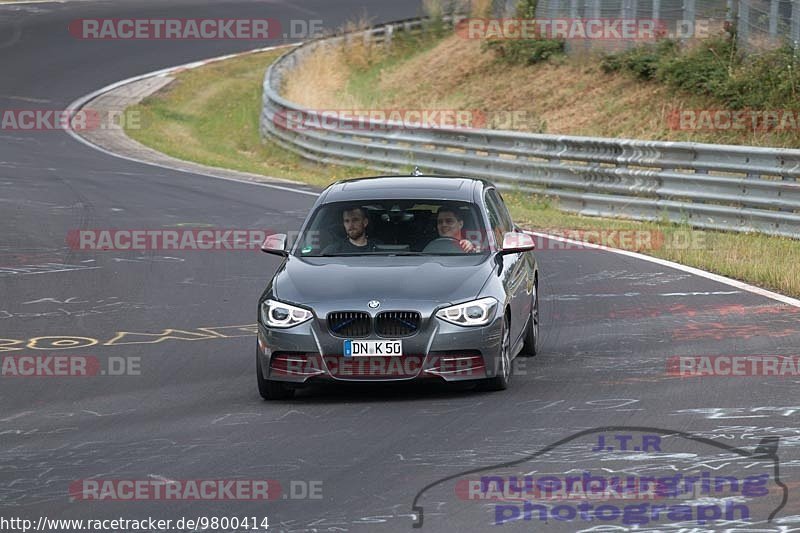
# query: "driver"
449,223
355,222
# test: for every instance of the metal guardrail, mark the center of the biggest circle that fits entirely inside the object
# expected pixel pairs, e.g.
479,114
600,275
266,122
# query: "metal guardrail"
708,186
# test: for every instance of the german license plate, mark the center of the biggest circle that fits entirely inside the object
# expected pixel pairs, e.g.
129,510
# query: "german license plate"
355,348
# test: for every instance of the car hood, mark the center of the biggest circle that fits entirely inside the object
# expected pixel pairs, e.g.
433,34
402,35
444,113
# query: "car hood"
341,280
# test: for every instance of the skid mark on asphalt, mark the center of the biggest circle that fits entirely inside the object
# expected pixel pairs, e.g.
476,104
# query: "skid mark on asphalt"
717,331
741,323
632,278
702,308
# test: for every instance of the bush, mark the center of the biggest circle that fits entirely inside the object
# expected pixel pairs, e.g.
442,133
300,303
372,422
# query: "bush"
525,51
704,70
642,62
767,80
716,68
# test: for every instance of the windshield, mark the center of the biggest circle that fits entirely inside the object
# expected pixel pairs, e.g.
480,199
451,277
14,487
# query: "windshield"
394,227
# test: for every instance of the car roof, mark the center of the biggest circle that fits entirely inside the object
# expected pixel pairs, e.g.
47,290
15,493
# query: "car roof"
405,187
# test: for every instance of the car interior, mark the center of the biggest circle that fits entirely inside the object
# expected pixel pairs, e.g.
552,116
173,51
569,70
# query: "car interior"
395,226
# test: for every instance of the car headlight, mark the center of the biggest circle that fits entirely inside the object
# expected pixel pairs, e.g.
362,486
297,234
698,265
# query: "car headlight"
475,313
281,315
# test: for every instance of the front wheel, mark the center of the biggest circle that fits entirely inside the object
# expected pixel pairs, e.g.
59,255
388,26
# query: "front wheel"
503,377
269,389
530,349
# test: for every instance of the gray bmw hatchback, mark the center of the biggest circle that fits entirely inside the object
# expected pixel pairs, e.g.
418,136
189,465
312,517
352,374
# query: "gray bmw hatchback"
399,278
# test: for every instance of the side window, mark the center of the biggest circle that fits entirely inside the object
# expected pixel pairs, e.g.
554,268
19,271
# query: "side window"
505,217
495,219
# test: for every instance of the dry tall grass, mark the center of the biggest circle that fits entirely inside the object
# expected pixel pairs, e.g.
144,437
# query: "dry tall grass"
319,80
569,96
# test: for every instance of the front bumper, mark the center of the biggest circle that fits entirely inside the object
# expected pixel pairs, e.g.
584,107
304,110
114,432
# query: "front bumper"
438,350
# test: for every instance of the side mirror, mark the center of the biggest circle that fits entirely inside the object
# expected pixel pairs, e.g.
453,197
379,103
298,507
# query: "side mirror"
514,242
275,244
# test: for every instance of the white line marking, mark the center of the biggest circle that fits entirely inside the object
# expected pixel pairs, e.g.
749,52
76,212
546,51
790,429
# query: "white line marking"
14,417
637,294
25,269
161,478
677,266
23,2
705,293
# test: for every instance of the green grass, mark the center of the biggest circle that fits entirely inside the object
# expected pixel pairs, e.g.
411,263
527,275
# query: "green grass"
762,260
365,74
210,115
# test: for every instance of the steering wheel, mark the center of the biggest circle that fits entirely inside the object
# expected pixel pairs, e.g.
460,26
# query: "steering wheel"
443,244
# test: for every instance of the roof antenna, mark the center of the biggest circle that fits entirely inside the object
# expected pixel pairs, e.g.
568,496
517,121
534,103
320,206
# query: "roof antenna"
417,172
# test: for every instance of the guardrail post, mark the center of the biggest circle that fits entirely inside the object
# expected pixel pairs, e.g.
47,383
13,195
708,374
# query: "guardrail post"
387,37
795,30
656,12
573,15
628,13
689,18
773,18
743,23
552,9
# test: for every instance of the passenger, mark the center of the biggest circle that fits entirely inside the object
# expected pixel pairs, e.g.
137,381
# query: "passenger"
355,225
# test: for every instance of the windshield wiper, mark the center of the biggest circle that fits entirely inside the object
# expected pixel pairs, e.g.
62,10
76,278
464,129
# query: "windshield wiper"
384,253
345,254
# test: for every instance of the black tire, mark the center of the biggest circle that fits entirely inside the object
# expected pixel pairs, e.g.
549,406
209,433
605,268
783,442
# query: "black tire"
531,348
503,377
269,389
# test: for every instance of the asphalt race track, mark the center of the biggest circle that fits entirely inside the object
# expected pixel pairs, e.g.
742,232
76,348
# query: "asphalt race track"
609,324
